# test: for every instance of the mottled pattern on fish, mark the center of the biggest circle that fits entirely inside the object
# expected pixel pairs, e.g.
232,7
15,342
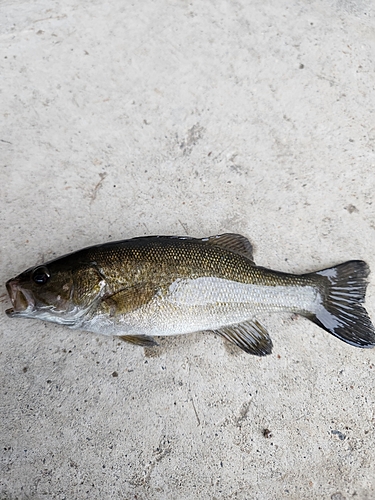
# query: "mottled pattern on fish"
154,286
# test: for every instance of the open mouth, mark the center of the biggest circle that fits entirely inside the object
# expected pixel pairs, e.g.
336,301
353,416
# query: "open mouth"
22,300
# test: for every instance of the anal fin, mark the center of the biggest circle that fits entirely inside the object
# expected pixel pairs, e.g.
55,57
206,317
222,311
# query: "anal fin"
250,336
142,340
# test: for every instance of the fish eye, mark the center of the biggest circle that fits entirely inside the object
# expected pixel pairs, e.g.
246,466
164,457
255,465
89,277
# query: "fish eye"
40,275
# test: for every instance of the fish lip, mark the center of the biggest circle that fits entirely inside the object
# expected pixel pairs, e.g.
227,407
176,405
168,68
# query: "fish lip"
22,300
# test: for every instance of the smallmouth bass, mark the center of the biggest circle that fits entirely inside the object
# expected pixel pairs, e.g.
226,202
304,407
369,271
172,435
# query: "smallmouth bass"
167,285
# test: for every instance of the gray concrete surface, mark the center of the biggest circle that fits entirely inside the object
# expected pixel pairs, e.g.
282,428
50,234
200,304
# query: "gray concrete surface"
122,119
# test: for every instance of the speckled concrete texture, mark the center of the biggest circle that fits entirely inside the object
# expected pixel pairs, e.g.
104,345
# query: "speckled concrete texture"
122,119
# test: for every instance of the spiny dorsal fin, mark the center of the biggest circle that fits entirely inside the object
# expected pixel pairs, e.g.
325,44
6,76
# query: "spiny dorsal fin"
142,340
250,336
235,243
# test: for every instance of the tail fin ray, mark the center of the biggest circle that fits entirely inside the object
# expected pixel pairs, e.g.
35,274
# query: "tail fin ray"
340,311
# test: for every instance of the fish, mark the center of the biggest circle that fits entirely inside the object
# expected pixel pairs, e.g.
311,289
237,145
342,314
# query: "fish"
141,288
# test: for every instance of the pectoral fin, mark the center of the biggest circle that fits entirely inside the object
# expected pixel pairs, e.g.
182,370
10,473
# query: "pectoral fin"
250,336
128,299
142,340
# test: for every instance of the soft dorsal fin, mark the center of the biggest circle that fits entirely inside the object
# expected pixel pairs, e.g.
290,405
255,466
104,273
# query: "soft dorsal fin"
250,336
235,243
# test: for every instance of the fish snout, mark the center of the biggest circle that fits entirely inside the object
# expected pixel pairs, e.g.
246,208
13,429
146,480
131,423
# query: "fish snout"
21,299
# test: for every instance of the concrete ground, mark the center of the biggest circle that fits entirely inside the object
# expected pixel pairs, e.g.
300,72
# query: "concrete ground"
122,119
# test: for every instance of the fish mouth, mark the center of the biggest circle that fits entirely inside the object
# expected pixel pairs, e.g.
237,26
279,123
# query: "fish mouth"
22,300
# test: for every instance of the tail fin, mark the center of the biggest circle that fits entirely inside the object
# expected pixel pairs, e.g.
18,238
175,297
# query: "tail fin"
343,290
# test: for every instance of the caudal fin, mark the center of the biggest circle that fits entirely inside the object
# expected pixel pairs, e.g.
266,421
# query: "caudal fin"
343,290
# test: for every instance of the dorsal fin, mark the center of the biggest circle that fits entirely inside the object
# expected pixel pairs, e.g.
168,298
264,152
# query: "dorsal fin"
235,243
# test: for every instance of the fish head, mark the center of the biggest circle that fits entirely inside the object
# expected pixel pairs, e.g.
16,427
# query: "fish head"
57,291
